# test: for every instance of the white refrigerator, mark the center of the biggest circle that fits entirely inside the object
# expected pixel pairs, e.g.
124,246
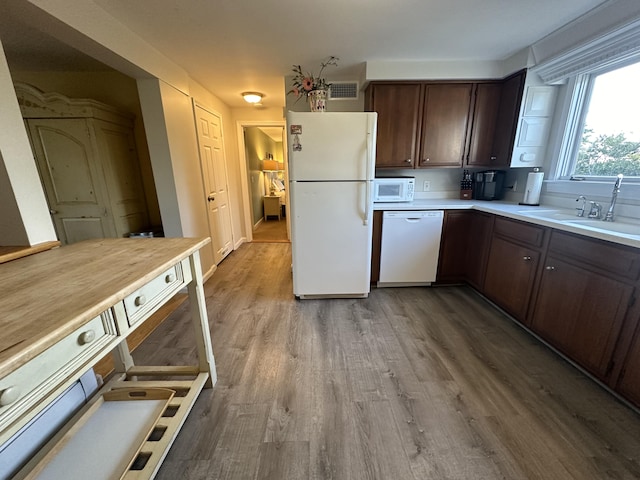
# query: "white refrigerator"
331,169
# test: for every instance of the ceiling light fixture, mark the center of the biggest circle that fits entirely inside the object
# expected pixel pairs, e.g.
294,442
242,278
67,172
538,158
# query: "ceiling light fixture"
252,97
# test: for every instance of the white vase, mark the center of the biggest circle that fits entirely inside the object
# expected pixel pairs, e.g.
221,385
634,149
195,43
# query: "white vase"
317,100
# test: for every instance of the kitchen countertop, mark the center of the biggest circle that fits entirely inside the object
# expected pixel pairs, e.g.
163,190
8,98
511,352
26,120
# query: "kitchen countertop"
527,214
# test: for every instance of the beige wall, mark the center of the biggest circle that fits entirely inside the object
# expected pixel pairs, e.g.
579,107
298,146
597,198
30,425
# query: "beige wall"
24,215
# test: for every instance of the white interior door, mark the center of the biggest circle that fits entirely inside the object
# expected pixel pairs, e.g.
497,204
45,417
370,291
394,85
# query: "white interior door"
72,179
214,171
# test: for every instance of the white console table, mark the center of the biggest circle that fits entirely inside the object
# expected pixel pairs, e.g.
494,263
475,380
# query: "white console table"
63,310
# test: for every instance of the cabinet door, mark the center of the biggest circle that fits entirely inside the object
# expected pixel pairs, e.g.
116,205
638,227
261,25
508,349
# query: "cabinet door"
452,260
507,121
483,127
117,149
511,271
580,312
444,124
398,108
629,383
478,250
73,178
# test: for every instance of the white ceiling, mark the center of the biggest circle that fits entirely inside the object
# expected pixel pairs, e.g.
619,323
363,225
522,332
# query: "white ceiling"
231,46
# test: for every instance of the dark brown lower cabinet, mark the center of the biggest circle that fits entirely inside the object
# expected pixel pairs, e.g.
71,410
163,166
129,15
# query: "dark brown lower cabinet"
478,248
452,260
512,266
464,246
510,277
581,313
629,383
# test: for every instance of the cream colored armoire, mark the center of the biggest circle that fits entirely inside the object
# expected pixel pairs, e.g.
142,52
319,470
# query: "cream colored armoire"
88,164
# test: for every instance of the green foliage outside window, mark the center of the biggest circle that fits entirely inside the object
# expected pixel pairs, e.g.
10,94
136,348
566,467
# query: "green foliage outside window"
607,155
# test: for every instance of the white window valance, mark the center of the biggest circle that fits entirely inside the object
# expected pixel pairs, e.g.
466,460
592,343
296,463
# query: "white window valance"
613,49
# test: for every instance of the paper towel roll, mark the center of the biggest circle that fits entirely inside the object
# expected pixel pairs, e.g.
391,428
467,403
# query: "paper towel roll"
533,188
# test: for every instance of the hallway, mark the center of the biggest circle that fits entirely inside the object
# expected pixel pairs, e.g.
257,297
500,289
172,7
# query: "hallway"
271,231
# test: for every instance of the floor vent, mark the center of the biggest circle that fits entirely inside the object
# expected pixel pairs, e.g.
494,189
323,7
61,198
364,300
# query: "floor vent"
344,91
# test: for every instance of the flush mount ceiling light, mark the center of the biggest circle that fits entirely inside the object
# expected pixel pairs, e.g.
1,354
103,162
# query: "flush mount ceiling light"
252,97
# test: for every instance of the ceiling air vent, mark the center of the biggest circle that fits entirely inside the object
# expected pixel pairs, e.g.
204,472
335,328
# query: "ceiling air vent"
344,91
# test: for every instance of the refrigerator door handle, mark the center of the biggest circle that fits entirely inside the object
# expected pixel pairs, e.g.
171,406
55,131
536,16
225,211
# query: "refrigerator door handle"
367,204
370,153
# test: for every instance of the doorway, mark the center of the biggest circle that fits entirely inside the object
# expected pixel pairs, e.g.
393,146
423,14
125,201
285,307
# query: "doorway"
264,177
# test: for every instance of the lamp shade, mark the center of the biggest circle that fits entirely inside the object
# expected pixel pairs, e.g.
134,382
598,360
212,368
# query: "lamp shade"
269,165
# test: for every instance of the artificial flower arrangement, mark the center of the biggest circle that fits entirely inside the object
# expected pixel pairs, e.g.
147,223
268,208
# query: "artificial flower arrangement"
303,83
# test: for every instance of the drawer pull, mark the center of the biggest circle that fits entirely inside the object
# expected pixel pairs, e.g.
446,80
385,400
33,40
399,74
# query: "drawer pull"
87,337
526,258
140,300
550,268
170,278
9,395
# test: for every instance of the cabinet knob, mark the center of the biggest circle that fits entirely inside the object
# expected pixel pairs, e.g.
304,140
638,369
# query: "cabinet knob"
170,278
427,159
87,337
493,159
526,258
408,160
9,395
141,300
549,267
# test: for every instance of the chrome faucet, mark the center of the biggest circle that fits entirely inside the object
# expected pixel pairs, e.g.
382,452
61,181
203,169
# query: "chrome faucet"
609,217
584,205
595,211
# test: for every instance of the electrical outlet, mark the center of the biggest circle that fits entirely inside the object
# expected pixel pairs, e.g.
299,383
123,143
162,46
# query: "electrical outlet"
426,186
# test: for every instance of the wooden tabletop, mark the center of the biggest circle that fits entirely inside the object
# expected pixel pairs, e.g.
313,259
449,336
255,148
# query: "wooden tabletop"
47,296
8,254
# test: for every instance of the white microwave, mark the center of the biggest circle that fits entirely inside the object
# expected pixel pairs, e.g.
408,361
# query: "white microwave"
393,189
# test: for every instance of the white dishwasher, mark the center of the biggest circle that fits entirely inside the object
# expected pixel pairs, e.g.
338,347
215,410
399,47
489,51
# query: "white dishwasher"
410,247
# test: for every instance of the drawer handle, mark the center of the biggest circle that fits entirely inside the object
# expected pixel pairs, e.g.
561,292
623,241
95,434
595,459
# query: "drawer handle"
9,395
550,268
170,278
526,258
141,300
87,337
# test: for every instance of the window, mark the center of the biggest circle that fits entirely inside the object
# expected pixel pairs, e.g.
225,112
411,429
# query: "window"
606,138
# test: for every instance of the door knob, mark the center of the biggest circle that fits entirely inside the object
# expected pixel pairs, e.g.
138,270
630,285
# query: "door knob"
52,211
211,198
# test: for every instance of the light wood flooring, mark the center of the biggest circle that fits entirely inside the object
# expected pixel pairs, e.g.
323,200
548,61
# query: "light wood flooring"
411,383
271,231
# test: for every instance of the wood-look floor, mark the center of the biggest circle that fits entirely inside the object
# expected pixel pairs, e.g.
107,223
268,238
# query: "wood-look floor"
411,383
271,231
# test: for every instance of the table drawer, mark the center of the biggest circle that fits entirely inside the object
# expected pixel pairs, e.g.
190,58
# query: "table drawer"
146,299
30,383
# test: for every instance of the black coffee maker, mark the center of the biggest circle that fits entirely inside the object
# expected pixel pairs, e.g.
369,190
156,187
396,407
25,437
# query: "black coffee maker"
488,185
